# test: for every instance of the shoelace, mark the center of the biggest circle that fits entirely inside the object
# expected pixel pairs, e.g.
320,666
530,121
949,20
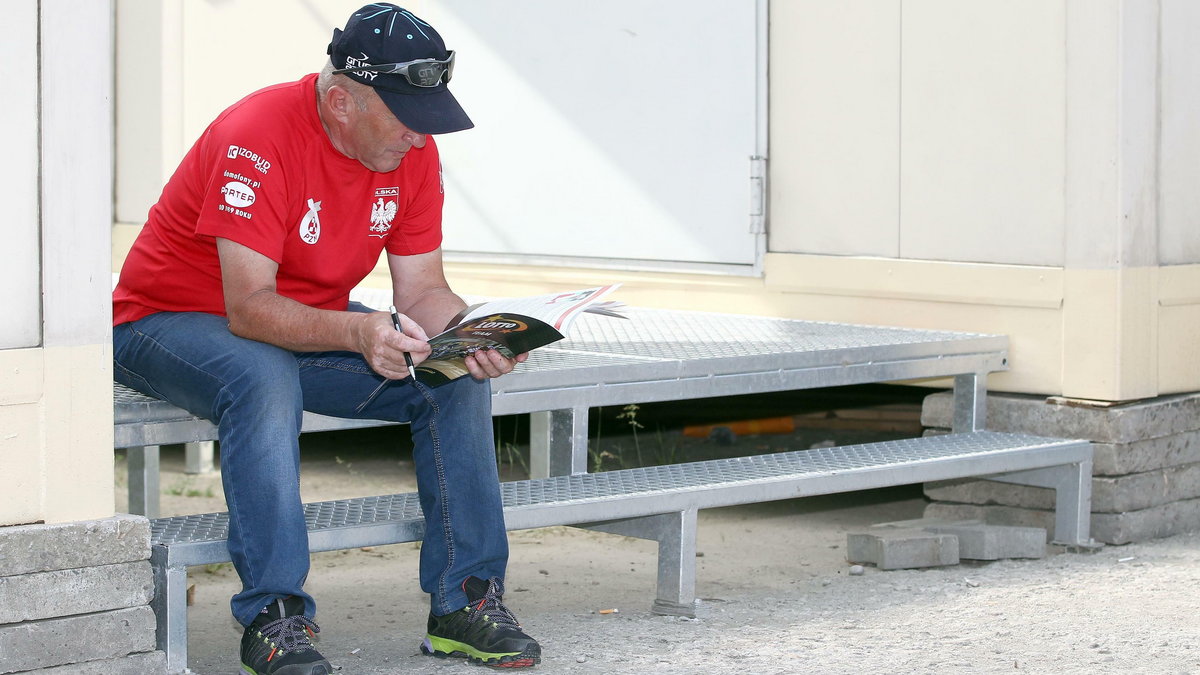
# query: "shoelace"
291,633
491,607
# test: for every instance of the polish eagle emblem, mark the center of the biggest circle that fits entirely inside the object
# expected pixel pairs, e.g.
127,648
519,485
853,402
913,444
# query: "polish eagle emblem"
382,215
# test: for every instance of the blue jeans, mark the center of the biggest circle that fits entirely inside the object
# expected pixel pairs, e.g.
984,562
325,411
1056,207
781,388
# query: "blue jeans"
256,394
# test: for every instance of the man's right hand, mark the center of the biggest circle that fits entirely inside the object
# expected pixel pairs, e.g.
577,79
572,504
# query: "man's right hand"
383,346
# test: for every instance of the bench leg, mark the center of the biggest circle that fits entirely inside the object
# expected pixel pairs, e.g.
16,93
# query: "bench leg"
676,537
970,402
198,456
558,442
141,464
170,611
1072,486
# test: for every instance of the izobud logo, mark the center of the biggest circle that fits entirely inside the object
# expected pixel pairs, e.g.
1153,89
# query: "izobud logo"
261,163
237,194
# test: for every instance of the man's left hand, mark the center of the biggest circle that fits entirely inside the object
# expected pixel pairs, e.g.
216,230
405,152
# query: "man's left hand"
488,363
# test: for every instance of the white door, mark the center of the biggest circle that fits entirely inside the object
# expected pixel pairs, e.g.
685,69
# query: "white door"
604,130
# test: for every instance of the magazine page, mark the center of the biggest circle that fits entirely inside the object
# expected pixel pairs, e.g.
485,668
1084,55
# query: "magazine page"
556,309
511,326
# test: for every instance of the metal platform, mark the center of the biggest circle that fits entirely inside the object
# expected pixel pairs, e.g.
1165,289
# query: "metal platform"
654,355
658,503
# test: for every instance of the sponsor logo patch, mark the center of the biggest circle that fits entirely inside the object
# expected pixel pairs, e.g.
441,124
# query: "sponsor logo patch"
237,194
310,225
261,163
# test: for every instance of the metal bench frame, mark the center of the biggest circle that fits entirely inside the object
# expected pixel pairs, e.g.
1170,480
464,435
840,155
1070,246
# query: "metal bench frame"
659,503
656,355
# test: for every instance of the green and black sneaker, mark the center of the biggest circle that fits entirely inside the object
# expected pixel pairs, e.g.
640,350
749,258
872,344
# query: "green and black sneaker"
484,631
279,642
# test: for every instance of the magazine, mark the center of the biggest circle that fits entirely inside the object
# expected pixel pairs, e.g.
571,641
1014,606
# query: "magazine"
511,326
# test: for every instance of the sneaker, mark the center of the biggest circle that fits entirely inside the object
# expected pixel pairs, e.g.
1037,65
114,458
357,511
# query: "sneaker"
279,642
484,631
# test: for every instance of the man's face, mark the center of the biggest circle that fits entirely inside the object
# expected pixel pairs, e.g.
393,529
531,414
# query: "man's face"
379,140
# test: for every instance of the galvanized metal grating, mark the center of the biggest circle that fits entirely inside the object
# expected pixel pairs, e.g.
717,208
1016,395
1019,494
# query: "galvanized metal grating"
646,481
675,335
317,515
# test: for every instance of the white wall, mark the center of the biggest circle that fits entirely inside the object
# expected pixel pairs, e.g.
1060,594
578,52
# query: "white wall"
19,176
56,455
1025,167
924,129
1179,205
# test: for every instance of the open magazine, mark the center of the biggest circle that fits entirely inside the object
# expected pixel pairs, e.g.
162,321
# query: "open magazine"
511,326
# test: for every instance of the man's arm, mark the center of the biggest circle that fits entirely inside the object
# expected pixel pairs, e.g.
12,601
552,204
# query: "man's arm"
421,292
257,312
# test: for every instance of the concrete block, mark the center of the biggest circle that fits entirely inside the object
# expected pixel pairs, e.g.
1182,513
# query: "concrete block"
892,549
41,548
1109,528
1133,492
979,541
135,664
89,637
1119,459
995,542
44,595
1123,423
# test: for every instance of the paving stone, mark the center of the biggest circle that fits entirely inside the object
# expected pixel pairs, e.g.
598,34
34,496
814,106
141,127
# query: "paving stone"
89,637
978,540
995,542
134,664
1110,528
1124,423
1119,459
41,548
1118,494
892,549
43,595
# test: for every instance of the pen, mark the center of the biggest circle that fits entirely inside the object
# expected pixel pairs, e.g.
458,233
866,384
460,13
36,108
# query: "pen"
412,370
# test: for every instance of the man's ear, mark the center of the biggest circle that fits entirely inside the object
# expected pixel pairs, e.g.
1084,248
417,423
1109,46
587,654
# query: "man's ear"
340,102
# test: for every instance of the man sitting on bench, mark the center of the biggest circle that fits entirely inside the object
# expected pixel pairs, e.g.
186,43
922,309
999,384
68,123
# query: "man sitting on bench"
234,304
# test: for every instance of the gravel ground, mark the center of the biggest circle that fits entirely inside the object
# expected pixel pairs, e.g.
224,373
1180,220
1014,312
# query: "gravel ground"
776,593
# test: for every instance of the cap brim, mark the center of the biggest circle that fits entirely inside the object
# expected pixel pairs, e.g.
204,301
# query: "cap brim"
434,113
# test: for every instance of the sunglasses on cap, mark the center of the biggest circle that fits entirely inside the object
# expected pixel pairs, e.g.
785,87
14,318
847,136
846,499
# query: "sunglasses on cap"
419,73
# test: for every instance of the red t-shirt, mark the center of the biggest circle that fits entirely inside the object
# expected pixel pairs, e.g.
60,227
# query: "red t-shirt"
265,175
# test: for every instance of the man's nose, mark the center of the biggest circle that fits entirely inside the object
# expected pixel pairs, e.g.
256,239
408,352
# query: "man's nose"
414,139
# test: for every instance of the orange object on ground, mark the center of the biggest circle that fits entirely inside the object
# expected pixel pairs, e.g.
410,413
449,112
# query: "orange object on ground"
769,425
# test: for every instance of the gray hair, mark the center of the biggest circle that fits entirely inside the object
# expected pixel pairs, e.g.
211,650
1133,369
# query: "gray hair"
358,91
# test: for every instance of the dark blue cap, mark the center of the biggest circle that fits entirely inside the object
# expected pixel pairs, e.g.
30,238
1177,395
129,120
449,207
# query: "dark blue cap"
384,33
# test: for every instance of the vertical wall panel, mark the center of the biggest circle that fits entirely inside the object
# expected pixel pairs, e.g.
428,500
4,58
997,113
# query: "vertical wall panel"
19,176
1179,179
835,181
982,131
77,160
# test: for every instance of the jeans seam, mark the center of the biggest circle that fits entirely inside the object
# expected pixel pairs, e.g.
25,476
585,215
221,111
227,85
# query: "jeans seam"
333,365
443,495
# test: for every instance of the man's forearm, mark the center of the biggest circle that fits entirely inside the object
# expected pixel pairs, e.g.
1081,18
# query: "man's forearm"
269,317
433,309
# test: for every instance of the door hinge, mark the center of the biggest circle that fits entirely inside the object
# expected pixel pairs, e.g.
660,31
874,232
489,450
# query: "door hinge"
758,194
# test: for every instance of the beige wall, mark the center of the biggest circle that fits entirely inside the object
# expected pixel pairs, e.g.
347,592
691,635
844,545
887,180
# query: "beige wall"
1024,167
56,436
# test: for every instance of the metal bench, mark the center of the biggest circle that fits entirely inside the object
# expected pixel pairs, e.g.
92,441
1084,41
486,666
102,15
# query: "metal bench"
656,355
658,503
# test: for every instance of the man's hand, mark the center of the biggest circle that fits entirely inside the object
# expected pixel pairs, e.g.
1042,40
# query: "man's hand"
487,363
383,346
